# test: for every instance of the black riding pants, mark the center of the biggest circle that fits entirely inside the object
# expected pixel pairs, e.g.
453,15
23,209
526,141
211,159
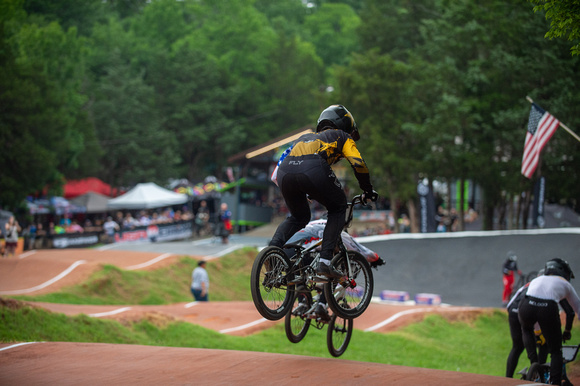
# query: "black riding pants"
518,345
299,177
547,314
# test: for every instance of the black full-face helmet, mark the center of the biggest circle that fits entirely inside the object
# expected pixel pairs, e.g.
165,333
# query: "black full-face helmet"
559,267
339,117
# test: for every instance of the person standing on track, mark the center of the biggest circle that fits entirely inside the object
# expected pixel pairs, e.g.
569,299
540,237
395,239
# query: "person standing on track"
306,173
200,282
516,330
540,305
509,267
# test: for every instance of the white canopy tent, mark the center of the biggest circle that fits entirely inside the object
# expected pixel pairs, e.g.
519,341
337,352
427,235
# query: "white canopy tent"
147,196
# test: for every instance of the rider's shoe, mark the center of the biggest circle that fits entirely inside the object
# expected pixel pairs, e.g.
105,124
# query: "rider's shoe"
321,312
301,309
327,271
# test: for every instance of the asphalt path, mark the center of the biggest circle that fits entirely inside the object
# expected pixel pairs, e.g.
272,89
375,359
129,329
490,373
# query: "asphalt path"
463,268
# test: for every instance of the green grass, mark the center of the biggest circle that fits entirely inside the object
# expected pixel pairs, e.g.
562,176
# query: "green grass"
480,346
229,280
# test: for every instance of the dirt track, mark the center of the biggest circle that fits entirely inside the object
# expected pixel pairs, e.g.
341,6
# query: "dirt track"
75,363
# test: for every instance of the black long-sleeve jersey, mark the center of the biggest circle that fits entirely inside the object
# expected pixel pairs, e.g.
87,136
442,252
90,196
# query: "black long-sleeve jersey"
333,145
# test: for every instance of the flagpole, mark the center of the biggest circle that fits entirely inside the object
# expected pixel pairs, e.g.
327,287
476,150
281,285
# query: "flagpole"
561,124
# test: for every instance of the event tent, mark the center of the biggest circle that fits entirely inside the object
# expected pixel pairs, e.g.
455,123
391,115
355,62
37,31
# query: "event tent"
146,196
92,184
93,202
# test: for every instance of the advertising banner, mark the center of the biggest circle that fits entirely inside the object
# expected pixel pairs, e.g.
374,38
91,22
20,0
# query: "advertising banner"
75,240
157,232
426,209
538,205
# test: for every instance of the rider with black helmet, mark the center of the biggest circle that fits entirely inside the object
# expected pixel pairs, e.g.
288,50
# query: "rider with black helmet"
541,305
306,173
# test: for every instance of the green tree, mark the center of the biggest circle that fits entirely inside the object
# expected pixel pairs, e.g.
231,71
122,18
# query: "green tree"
43,126
565,20
332,30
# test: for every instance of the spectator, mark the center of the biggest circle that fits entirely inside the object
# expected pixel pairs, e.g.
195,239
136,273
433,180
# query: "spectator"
200,282
404,224
129,222
509,267
225,225
202,217
74,227
110,227
40,236
144,219
88,226
32,229
11,229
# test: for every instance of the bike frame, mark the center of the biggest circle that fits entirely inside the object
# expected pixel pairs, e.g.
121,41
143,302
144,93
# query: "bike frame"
301,251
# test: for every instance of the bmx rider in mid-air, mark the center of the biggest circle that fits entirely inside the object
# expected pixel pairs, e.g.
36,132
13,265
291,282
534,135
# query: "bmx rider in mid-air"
305,173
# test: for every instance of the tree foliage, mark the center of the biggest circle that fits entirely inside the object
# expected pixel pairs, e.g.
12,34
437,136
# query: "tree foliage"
564,16
132,91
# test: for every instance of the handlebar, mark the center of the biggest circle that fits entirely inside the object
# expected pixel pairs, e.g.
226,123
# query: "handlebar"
358,199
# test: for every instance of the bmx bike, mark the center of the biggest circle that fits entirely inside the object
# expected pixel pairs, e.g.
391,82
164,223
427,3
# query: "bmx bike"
540,372
275,276
302,316
523,280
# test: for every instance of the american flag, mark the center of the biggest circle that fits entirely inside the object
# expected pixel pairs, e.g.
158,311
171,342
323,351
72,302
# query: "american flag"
541,126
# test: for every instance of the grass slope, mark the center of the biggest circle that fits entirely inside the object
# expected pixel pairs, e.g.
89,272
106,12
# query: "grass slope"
229,281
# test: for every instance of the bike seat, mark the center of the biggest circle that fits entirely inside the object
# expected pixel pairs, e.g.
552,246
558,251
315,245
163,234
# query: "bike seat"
295,245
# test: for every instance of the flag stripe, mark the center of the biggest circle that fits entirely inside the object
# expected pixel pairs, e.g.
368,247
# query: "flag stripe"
537,137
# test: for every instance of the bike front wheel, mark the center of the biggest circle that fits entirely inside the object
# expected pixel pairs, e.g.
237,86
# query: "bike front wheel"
296,323
350,295
270,293
338,335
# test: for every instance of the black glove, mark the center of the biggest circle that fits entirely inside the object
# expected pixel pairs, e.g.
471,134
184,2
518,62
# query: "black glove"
372,195
566,335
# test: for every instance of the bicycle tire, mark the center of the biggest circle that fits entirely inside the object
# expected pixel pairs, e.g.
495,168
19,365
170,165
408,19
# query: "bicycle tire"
536,373
351,298
338,335
297,326
270,293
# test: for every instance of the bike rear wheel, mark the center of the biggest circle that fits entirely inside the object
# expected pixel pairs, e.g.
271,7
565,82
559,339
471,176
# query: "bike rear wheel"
296,325
536,373
349,296
338,335
270,293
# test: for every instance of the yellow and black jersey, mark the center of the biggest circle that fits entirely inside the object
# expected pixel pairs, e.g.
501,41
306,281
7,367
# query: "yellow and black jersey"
332,146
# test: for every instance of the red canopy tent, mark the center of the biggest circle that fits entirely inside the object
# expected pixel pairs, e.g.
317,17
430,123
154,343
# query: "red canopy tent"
92,184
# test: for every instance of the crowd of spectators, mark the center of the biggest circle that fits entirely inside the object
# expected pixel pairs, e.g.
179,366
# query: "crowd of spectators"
38,235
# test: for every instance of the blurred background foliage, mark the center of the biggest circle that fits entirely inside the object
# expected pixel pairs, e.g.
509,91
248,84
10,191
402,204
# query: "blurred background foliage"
145,90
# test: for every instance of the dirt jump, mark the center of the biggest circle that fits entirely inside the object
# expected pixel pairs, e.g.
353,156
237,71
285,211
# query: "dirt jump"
34,363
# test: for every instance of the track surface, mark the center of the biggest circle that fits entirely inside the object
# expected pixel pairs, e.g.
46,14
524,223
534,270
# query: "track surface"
75,363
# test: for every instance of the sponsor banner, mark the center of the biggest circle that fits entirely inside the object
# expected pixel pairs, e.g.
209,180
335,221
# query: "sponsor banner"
75,240
431,299
371,215
157,232
395,296
426,209
538,205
